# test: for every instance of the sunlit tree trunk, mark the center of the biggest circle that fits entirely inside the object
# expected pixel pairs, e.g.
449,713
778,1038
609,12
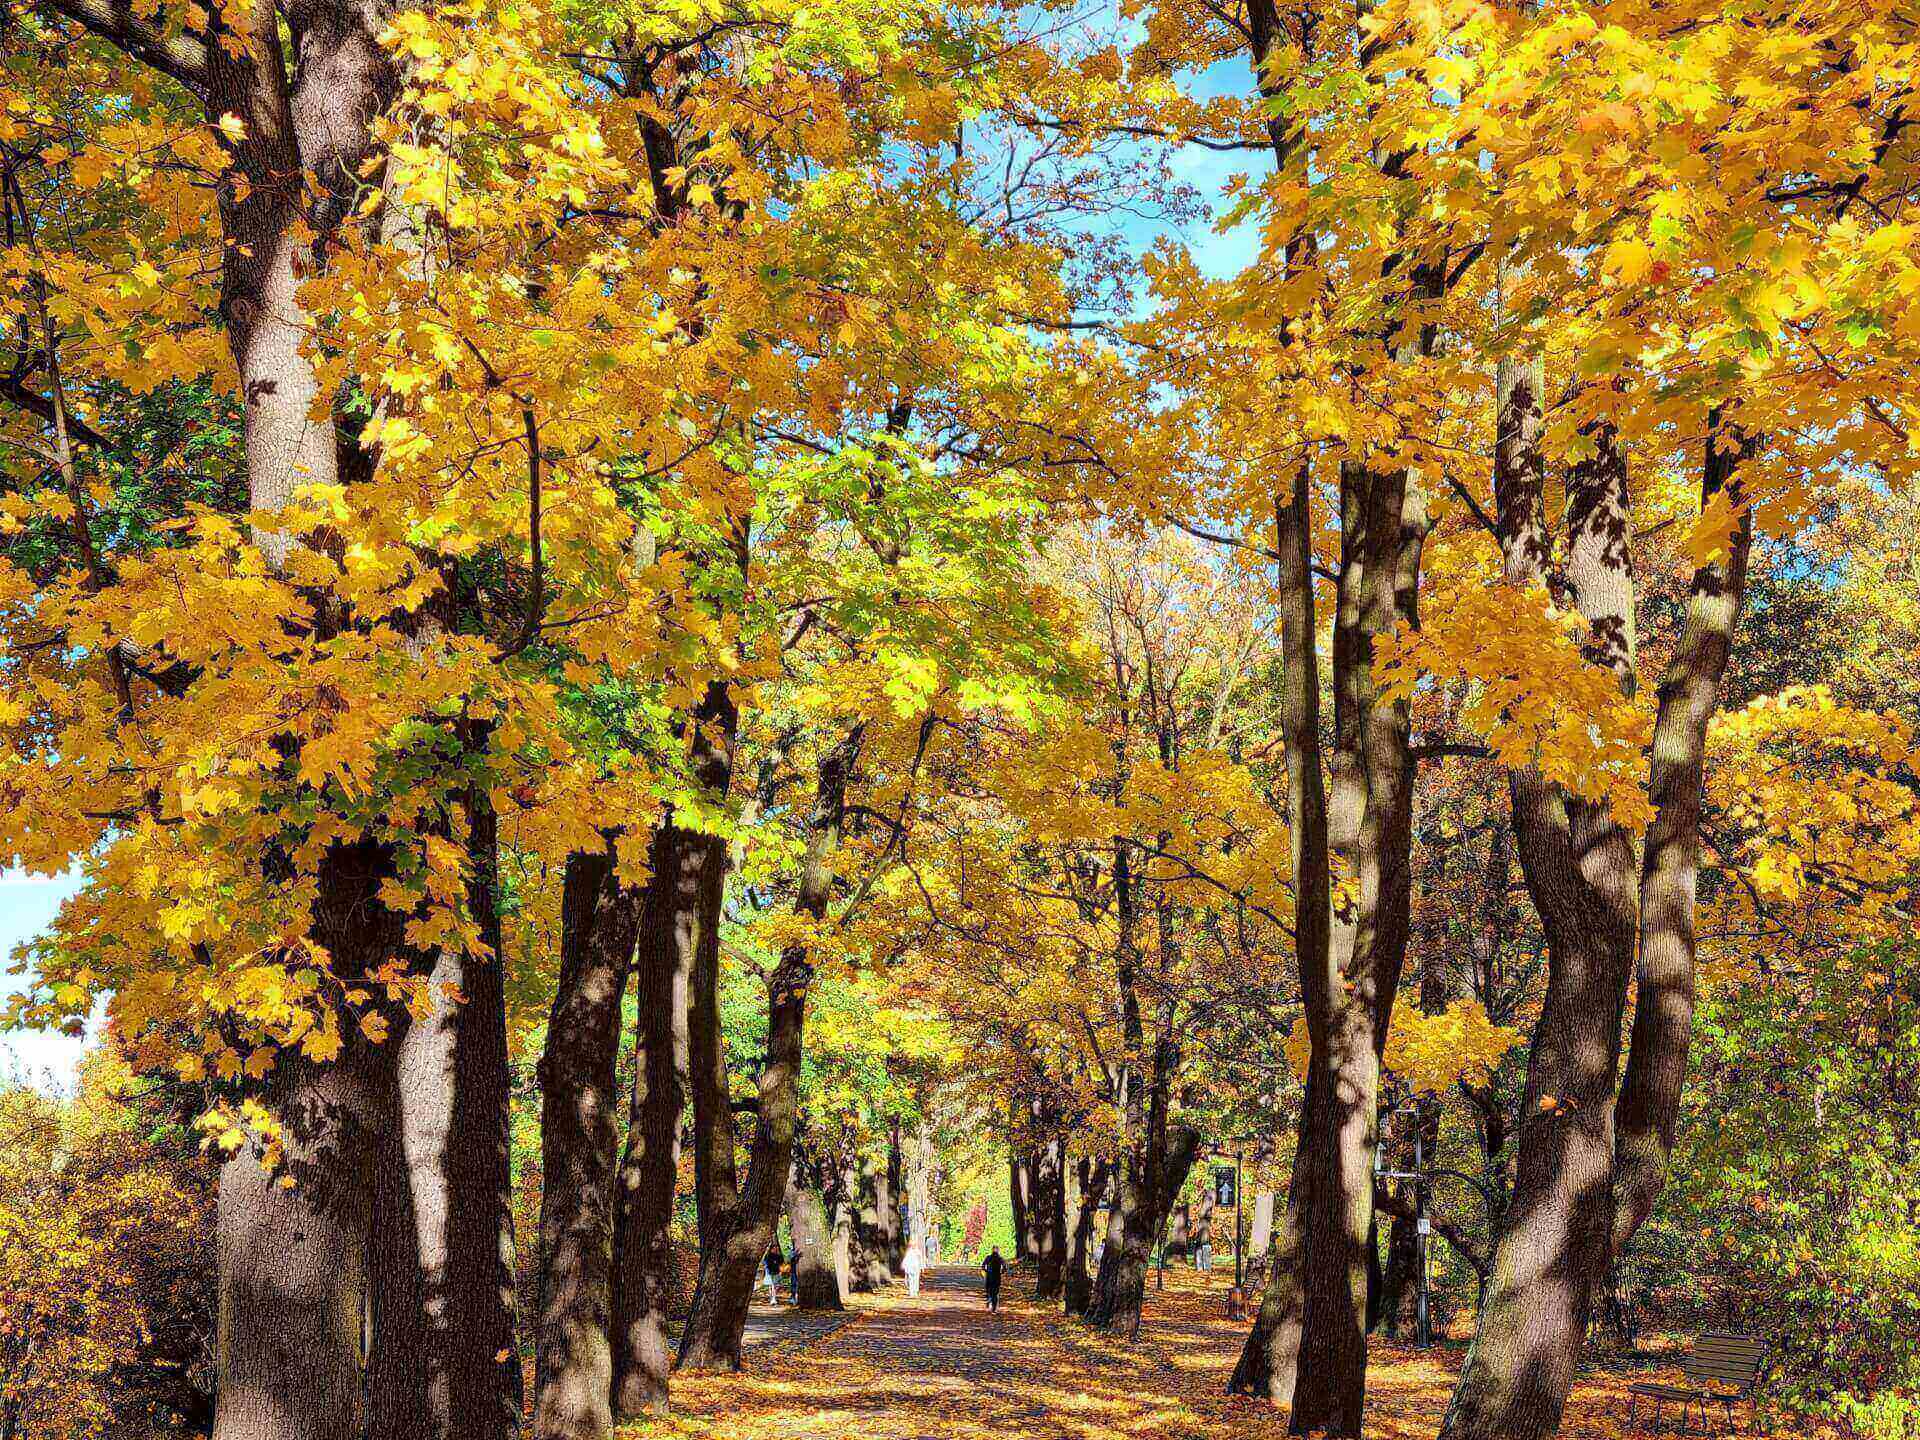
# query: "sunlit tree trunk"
1049,1220
643,1202
893,1217
1092,1177
841,1184
1569,1210
1269,1359
1664,992
1578,864
294,1242
1019,1192
816,1285
293,1260
870,1269
715,1176
727,1270
454,1087
573,1348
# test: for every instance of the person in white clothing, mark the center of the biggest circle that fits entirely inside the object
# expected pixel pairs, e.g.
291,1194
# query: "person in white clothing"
913,1264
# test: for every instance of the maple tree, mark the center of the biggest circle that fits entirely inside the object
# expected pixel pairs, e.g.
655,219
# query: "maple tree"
502,506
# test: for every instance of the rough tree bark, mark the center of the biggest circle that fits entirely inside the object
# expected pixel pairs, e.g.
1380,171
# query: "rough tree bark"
454,1085
838,1193
816,1285
573,1351
1269,1359
1563,1220
1316,1291
1092,1177
893,1219
1664,989
870,1269
1020,1191
293,1258
293,1277
1049,1219
1143,1199
727,1270
293,1262
701,858
642,1273
715,1176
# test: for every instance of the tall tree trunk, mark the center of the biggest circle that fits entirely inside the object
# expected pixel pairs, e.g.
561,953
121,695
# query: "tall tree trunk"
1664,994
1578,865
396,1319
293,1261
1388,509
1142,1204
840,1190
292,1258
1269,1361
702,860
1049,1220
1348,981
1554,1248
885,1230
573,1351
1569,1212
454,1089
893,1219
870,1270
1259,1239
715,1176
1399,1278
1020,1192
1120,1285
294,1243
642,1279
727,1271
1092,1176
816,1286
920,1186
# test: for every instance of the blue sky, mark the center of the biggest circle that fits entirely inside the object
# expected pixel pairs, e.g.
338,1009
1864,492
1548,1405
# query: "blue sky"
28,904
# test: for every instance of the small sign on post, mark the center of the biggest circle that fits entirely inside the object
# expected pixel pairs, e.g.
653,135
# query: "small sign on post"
1223,1186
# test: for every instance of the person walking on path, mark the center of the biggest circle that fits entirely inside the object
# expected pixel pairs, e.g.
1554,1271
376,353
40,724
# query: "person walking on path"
912,1265
995,1267
770,1272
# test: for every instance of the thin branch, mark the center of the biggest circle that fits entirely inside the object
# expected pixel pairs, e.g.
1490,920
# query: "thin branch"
537,592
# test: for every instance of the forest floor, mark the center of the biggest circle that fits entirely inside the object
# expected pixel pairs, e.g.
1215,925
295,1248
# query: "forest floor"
940,1367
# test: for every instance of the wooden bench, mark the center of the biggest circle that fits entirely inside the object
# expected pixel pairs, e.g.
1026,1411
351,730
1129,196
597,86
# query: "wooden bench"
1721,1369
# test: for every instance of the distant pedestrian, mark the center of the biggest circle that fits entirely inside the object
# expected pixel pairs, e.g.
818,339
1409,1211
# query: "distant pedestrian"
912,1265
995,1267
770,1272
1203,1257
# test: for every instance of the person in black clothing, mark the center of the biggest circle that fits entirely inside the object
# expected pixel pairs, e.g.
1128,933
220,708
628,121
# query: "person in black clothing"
770,1272
994,1266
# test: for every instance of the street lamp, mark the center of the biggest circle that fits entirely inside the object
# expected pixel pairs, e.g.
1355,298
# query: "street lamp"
1423,1179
